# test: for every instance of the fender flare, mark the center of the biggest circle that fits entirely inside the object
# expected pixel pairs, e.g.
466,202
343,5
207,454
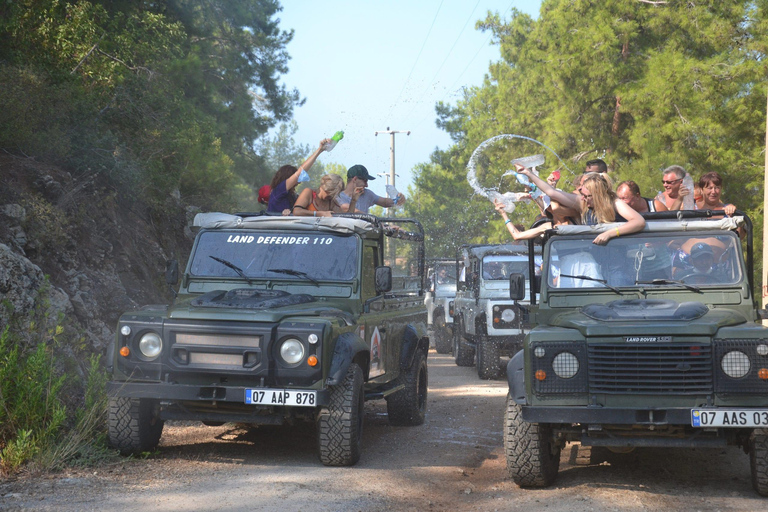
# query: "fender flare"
412,343
349,348
516,378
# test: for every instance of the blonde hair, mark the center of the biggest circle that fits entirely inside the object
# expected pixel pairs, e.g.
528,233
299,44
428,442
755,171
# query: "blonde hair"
603,198
332,184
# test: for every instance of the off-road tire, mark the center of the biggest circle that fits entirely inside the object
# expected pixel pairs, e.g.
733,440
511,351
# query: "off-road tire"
340,424
532,459
758,460
488,358
133,426
408,407
462,355
442,335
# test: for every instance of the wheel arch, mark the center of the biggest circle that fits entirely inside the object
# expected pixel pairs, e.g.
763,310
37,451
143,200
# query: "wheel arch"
349,348
412,343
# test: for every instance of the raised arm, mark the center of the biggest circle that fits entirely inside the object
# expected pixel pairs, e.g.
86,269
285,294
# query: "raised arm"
293,179
519,235
564,198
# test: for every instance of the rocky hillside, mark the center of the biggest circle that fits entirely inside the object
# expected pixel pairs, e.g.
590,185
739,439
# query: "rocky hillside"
100,249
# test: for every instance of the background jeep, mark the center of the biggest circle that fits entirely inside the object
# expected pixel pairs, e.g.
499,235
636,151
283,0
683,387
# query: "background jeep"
652,340
485,320
441,291
279,319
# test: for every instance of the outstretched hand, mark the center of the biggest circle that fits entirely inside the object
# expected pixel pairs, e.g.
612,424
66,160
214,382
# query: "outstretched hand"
498,205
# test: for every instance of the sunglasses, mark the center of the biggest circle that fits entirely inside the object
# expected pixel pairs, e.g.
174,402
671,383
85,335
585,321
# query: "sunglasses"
671,182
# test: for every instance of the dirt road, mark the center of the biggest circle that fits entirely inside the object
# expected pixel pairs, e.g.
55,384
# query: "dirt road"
454,461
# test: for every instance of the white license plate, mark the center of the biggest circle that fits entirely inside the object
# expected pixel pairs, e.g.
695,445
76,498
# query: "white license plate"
729,418
296,397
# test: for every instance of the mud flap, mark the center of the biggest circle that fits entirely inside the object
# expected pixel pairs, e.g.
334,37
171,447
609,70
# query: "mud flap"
516,378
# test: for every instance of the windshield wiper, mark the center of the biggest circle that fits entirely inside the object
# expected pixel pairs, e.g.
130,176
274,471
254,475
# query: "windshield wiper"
293,272
671,281
233,267
601,281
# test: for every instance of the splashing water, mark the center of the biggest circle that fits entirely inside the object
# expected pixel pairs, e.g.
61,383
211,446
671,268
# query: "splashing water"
508,198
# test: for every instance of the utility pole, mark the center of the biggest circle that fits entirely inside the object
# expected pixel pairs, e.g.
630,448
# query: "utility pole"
392,151
386,175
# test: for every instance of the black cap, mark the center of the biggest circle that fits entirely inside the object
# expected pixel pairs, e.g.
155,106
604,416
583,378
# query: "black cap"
701,249
360,172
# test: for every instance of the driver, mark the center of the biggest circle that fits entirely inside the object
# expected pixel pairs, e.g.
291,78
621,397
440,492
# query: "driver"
493,270
442,275
703,260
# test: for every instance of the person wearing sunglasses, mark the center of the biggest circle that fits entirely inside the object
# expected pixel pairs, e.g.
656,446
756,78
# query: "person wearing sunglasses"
674,190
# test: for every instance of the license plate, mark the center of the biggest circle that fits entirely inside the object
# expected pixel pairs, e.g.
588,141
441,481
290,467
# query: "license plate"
729,418
281,397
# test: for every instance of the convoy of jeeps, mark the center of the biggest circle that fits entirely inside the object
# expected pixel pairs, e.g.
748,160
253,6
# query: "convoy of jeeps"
653,340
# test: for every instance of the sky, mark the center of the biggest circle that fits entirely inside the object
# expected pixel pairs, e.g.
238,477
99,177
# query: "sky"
366,66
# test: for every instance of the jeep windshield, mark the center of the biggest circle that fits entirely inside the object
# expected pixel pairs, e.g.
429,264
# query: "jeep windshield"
275,255
445,274
680,260
499,267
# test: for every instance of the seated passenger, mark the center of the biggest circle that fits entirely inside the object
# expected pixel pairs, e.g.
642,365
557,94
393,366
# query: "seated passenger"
323,202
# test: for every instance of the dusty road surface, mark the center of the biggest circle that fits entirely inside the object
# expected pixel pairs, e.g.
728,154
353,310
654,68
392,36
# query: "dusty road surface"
453,462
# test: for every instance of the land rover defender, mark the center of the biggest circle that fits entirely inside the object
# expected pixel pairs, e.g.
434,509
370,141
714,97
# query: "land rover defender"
652,340
279,319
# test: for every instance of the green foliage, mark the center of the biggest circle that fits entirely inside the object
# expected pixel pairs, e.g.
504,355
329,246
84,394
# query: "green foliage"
31,412
163,97
642,86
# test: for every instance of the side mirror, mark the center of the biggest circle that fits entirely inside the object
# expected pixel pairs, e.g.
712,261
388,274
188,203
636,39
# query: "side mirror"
516,286
383,279
172,272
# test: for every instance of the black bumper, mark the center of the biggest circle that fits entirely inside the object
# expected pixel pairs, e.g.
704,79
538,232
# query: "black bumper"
607,416
190,393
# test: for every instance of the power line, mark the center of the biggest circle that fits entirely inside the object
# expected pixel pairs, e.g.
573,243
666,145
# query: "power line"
426,38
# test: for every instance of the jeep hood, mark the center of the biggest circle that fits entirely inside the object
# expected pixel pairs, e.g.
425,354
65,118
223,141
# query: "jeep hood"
648,317
247,304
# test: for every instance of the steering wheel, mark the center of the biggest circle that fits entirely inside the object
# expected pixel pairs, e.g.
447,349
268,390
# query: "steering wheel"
695,278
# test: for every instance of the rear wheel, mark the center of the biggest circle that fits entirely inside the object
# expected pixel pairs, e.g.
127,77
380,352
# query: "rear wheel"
462,354
134,425
408,407
488,358
442,335
533,459
340,425
758,460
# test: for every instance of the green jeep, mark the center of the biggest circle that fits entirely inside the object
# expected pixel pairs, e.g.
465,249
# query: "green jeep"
652,340
279,319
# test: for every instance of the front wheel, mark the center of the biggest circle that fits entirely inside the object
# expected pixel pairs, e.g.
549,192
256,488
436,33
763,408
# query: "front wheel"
533,459
758,460
340,425
408,407
133,425
488,358
462,354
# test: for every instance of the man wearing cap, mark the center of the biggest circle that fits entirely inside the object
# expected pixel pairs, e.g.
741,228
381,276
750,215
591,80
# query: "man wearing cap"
702,262
357,186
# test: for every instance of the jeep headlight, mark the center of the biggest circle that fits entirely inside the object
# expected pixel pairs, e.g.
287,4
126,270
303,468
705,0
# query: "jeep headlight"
292,351
735,364
565,365
508,315
150,345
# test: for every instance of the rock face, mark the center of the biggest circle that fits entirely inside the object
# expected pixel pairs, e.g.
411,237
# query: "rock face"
77,249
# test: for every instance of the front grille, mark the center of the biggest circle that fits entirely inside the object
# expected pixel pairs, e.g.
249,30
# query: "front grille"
652,368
